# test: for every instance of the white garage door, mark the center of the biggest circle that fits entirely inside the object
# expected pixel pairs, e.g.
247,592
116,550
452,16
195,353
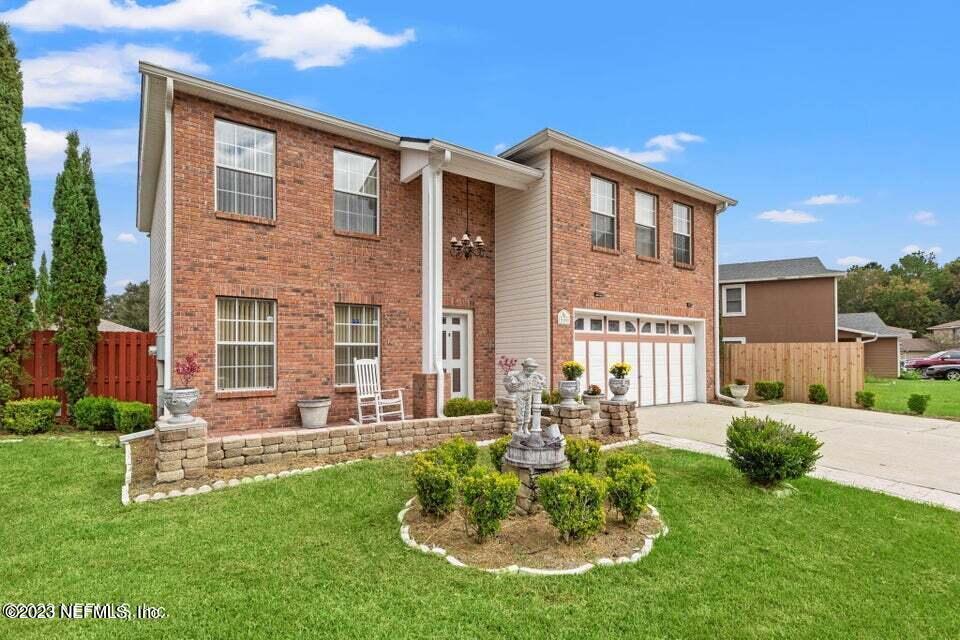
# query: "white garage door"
661,354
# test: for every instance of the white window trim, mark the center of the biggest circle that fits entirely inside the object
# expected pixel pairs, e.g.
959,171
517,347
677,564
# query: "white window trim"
273,177
655,226
586,323
350,385
612,216
734,340
355,193
743,300
689,234
217,343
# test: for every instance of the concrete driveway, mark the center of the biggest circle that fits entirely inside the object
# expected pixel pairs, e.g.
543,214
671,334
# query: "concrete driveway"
914,458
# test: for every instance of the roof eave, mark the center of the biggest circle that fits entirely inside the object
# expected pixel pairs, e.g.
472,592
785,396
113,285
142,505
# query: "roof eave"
838,274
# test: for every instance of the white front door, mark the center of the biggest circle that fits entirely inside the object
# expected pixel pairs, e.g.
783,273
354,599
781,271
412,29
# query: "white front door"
455,353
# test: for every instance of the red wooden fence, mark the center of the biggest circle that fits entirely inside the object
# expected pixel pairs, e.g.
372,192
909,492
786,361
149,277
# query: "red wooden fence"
123,367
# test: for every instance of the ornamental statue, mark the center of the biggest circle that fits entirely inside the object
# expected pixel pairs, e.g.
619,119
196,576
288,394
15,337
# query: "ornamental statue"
531,446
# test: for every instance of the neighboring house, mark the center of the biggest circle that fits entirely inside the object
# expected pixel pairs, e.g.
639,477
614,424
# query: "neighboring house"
284,243
110,325
917,348
793,300
881,343
947,333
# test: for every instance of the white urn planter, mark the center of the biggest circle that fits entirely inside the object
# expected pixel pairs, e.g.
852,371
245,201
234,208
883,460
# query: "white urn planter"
569,389
593,402
180,402
313,412
619,387
739,392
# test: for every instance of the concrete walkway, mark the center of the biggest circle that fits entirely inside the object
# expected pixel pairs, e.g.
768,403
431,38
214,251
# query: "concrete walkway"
913,458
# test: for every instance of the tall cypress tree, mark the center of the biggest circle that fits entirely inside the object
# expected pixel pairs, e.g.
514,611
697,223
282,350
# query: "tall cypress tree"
43,304
76,270
16,228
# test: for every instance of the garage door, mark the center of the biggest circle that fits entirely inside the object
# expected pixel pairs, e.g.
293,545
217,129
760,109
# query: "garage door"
661,354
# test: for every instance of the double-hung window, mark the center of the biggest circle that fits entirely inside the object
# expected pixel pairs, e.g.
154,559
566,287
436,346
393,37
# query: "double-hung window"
245,166
734,300
356,184
603,208
246,344
356,335
682,234
645,216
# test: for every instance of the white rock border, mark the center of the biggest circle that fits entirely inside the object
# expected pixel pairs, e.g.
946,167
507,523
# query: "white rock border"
637,554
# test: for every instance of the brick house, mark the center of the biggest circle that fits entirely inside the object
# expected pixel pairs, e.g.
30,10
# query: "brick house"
284,243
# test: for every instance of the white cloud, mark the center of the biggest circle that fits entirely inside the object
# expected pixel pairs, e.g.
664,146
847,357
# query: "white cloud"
849,261
117,286
787,216
658,148
830,198
913,248
928,218
499,147
320,37
127,238
101,72
111,149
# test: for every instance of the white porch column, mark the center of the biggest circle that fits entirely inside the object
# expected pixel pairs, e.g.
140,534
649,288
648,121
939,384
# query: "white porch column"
432,268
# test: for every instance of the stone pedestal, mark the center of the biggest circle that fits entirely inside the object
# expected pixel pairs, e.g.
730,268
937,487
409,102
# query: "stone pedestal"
181,449
575,421
507,407
425,394
527,501
622,416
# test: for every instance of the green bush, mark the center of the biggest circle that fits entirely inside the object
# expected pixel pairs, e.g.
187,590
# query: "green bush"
910,374
866,399
725,391
621,459
574,502
817,393
768,389
550,397
498,448
94,413
466,407
917,403
583,454
436,484
30,415
630,489
768,451
488,498
132,416
458,454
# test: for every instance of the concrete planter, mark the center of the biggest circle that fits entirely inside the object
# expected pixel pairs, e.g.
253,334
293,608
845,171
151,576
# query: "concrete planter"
593,402
739,392
569,389
313,412
180,402
619,387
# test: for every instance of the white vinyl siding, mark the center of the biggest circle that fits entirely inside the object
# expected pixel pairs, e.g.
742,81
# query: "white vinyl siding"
603,213
246,344
158,252
645,217
245,159
356,187
356,335
682,233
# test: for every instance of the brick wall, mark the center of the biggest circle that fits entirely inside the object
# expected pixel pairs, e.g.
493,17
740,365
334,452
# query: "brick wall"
629,283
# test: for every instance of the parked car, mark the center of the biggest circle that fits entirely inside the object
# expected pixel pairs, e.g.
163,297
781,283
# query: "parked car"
943,372
949,357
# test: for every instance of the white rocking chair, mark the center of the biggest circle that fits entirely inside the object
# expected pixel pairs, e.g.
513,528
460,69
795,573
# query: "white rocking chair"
369,394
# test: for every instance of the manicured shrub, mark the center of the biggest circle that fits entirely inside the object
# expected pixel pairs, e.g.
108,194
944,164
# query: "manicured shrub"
917,403
458,454
817,393
488,498
30,415
129,417
436,484
768,389
550,397
866,399
768,451
574,502
725,391
94,413
629,490
621,459
583,454
466,407
497,449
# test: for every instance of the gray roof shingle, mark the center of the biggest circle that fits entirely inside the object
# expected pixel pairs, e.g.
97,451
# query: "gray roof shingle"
791,268
947,325
870,322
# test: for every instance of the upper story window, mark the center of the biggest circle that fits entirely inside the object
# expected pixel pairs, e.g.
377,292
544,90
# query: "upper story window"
246,344
356,184
733,299
682,233
603,209
245,167
645,216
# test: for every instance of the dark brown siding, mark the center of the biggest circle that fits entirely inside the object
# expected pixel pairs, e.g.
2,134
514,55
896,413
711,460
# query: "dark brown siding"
880,358
785,311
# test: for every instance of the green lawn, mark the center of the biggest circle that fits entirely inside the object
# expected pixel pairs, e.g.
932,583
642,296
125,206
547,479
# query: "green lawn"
319,556
892,395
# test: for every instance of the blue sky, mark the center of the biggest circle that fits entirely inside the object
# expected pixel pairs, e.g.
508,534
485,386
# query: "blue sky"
834,124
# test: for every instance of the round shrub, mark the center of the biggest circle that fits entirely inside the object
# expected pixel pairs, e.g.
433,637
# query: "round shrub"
917,403
817,394
30,415
866,399
629,490
768,389
466,407
574,502
488,498
583,454
458,454
93,412
436,484
498,449
129,417
768,451
621,459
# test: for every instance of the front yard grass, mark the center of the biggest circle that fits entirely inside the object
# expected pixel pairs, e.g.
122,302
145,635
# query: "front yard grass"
319,555
892,395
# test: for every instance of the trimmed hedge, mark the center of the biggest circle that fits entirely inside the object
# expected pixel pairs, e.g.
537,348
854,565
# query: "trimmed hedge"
94,413
456,407
768,389
769,451
817,394
457,454
621,459
583,454
574,502
498,449
917,403
30,415
866,399
488,498
629,490
436,484
132,416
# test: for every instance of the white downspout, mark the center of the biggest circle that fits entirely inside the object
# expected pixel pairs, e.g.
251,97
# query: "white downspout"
716,308
168,234
432,267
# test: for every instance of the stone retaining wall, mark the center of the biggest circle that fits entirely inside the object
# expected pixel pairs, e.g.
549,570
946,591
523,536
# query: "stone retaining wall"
181,449
615,418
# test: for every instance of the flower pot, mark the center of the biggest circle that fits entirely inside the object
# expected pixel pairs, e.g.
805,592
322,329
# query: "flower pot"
313,412
619,387
568,391
593,402
180,402
739,392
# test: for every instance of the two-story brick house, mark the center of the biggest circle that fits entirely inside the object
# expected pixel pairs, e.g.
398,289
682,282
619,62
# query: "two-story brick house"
284,243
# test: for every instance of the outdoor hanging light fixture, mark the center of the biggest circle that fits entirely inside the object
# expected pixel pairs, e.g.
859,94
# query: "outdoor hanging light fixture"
465,247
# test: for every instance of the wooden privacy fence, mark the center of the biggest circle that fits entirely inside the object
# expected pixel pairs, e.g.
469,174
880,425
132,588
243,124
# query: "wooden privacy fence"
122,368
836,365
